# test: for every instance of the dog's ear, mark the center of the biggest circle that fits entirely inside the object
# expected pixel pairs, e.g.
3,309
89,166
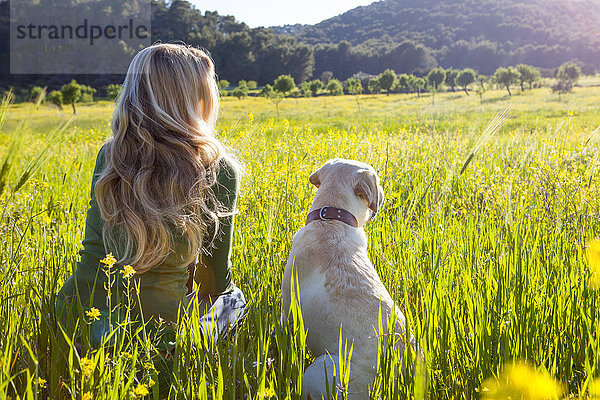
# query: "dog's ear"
367,187
315,179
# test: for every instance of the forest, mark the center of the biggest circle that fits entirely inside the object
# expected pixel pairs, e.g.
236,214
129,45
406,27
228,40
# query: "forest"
405,36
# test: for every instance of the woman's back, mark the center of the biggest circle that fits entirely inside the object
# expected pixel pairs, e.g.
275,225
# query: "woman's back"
163,194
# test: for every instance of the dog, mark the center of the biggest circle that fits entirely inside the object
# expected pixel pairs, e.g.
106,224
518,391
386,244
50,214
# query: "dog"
337,286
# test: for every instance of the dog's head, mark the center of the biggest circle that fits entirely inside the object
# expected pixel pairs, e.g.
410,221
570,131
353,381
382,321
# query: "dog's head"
342,176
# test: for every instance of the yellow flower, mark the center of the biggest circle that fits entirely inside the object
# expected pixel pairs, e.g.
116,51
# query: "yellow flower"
592,256
595,389
151,382
569,113
128,271
250,117
149,366
109,260
520,381
267,393
87,367
93,313
41,382
140,391
87,396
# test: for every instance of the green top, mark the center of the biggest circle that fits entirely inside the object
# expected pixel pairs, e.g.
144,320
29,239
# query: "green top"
162,288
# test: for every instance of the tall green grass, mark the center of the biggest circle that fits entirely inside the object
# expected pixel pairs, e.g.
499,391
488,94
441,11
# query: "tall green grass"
486,265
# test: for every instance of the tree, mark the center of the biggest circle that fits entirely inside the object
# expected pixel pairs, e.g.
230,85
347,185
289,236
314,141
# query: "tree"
315,85
300,62
223,84
87,94
35,93
353,86
335,88
403,80
481,87
113,90
387,79
465,78
451,77
295,93
55,97
528,74
436,78
71,92
568,71
241,90
416,84
252,85
506,77
567,75
283,84
587,69
374,86
326,76
267,91
276,98
305,89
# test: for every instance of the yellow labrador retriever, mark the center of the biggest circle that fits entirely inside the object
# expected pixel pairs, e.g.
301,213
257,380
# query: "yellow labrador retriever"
337,284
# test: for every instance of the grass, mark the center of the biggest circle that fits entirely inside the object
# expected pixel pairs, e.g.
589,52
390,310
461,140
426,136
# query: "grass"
487,265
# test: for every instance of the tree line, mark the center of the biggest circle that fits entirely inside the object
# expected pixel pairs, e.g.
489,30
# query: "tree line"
479,34
436,80
260,55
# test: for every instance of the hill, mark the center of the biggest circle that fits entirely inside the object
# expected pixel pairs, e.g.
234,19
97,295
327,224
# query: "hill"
409,36
482,34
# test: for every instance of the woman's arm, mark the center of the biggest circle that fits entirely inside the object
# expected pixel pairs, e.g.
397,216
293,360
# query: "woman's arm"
213,272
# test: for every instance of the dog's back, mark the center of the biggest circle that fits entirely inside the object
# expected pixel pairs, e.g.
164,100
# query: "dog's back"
338,288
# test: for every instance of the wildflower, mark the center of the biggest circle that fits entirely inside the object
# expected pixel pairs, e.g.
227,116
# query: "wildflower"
267,393
128,271
93,313
250,118
595,389
569,113
149,366
151,382
592,256
87,396
109,261
37,184
87,367
140,391
520,381
41,382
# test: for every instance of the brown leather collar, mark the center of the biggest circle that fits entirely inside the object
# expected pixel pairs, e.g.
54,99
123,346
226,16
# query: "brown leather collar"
327,213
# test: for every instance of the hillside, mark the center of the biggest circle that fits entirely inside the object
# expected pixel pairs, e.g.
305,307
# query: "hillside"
481,34
409,36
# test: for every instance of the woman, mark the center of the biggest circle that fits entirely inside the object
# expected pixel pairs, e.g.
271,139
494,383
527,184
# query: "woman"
163,194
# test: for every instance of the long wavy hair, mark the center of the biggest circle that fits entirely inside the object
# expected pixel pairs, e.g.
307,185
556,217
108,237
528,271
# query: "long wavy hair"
162,159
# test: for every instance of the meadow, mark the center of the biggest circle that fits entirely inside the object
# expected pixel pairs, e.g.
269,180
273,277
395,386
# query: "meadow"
488,265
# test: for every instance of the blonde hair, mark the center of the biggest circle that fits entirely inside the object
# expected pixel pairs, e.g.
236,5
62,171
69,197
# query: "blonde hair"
162,158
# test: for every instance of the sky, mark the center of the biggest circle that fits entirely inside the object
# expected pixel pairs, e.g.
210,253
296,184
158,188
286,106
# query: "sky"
279,12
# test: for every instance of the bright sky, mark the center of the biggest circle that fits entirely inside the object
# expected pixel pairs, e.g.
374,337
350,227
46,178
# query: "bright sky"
279,12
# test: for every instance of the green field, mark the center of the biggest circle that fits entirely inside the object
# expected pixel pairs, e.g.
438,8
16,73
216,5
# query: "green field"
488,265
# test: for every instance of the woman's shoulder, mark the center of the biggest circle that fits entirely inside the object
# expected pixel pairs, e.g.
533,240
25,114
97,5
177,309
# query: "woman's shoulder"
229,171
100,162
